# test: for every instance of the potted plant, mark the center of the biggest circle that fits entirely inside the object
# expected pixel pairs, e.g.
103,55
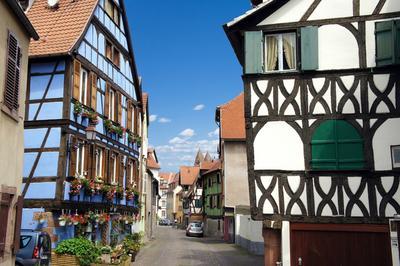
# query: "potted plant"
75,188
138,140
77,109
132,245
119,192
93,117
108,125
64,219
129,194
106,254
76,251
104,218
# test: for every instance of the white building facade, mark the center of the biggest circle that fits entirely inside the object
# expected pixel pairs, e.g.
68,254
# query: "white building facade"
322,113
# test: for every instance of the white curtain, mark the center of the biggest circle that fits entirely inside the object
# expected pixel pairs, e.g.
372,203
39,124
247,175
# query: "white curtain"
289,44
271,59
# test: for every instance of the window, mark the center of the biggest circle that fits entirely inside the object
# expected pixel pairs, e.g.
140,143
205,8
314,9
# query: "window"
113,168
83,86
336,145
197,203
111,106
387,34
113,54
210,198
124,111
395,156
218,178
99,162
218,201
112,11
163,203
13,72
80,159
280,52
101,88
209,181
163,213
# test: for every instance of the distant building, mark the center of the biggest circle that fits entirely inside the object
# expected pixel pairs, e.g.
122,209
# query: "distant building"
191,193
15,34
163,202
153,192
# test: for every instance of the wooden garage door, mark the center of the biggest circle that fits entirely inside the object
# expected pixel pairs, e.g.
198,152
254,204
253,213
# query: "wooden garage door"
340,245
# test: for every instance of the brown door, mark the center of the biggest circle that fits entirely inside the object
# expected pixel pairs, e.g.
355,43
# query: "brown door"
340,245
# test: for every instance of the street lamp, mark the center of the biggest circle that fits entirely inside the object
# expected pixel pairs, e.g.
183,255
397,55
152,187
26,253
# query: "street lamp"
91,133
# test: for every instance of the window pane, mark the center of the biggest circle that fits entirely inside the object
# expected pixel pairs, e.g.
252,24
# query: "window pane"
38,86
50,111
42,67
57,87
101,44
271,59
289,51
100,103
47,165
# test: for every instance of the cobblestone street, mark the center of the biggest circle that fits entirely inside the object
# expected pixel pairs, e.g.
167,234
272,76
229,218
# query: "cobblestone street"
171,247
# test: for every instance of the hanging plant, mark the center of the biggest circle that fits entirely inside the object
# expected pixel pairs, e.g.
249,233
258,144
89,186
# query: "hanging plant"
75,188
75,219
98,185
119,192
108,125
104,218
89,187
109,192
138,140
64,219
129,194
77,108
93,117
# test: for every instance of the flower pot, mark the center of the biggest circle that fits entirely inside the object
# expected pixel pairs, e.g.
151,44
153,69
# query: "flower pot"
62,259
62,222
106,258
96,198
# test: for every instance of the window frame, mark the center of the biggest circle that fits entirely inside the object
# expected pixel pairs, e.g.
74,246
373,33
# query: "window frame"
395,165
83,86
80,159
99,162
281,52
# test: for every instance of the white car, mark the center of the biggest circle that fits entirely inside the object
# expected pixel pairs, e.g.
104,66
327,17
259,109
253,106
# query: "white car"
195,229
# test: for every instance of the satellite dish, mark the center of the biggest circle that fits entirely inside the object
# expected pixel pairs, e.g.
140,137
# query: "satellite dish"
52,3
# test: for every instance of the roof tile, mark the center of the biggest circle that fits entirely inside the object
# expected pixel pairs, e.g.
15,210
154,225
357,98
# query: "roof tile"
232,119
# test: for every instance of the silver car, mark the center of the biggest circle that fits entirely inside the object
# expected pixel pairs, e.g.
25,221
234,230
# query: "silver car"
195,229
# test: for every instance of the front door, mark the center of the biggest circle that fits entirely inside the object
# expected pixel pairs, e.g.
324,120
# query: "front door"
340,245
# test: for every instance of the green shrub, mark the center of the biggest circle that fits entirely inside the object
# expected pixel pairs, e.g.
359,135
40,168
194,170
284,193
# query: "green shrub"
132,243
83,249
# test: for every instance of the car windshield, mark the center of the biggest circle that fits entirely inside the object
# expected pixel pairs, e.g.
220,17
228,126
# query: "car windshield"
196,225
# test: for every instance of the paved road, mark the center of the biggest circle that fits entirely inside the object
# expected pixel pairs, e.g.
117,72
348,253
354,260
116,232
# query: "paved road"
172,248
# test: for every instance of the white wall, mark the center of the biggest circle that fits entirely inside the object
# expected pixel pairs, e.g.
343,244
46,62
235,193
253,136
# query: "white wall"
236,188
248,234
387,134
278,147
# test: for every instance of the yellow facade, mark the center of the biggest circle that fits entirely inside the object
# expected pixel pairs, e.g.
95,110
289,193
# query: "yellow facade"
11,127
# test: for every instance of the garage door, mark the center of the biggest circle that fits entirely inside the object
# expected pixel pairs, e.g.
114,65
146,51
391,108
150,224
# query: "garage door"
340,245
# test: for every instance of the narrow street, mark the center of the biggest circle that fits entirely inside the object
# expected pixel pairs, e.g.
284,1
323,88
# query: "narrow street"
171,247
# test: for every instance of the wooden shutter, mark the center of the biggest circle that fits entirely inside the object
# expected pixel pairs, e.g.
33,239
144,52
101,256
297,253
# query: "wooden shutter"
253,51
107,101
129,115
5,201
309,48
18,221
13,73
77,79
121,170
118,106
88,167
93,90
72,156
128,173
135,115
104,165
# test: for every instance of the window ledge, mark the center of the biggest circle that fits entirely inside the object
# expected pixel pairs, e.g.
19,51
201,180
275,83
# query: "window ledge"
11,113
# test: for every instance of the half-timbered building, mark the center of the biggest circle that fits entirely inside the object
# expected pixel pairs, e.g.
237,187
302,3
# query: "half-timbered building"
322,110
83,120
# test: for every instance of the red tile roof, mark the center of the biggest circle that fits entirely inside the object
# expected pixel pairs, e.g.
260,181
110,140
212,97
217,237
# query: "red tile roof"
60,28
216,166
152,162
206,165
189,174
232,119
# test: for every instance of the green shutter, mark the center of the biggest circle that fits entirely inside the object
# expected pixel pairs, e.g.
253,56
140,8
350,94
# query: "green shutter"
309,48
253,52
385,35
397,41
336,145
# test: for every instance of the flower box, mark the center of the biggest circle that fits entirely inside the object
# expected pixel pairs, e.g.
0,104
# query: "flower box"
63,260
97,198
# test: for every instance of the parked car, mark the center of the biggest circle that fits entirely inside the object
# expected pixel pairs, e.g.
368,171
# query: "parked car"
195,229
35,248
164,222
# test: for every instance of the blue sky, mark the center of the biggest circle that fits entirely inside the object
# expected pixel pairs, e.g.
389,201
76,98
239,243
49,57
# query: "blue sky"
188,68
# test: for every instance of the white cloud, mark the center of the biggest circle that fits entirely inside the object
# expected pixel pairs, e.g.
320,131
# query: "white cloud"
153,118
199,107
188,133
176,140
214,133
164,120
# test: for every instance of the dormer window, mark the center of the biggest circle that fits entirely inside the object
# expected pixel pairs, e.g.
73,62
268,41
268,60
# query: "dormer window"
280,52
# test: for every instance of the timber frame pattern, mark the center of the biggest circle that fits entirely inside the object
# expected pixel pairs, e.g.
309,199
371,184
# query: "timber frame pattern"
76,129
365,118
